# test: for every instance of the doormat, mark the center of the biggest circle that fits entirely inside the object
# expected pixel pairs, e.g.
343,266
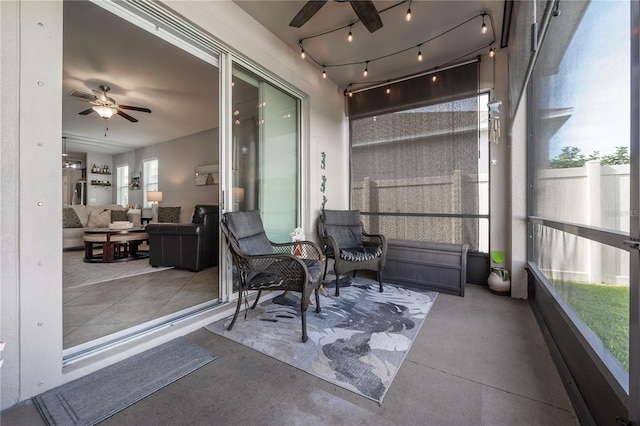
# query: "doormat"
99,395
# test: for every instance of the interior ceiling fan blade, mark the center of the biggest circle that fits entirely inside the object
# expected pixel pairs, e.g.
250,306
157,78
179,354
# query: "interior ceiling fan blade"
307,11
134,108
368,14
83,96
86,111
127,116
101,96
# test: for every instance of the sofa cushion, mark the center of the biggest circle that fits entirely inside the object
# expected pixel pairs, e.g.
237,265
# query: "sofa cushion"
99,220
70,218
169,214
119,216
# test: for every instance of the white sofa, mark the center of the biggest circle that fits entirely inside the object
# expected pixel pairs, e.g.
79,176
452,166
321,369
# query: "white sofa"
72,236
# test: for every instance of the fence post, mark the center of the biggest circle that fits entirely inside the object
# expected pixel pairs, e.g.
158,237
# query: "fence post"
594,218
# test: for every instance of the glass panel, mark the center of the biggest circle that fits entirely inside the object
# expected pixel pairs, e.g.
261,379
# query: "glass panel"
581,108
265,153
594,279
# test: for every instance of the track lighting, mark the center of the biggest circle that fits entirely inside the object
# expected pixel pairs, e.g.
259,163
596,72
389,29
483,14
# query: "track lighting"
366,70
350,36
484,28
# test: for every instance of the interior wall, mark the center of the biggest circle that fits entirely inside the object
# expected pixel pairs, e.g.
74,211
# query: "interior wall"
177,160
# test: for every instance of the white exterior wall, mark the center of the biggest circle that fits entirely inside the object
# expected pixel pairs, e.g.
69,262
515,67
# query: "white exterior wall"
30,254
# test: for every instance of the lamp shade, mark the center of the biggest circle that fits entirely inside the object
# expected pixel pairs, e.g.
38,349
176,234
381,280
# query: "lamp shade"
154,195
238,195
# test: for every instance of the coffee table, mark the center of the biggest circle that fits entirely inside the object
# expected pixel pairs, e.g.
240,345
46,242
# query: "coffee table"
117,244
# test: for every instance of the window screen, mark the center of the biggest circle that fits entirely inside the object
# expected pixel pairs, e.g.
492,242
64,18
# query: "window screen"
414,158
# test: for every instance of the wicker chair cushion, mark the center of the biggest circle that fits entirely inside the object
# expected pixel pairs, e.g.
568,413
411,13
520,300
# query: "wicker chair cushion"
345,227
363,255
248,231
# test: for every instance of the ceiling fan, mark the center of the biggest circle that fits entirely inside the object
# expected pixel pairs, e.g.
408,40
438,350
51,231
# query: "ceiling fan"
365,10
104,105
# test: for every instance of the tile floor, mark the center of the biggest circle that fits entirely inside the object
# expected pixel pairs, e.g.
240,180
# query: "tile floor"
97,310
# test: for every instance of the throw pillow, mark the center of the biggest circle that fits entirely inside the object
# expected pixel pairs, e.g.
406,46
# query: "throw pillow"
169,214
119,216
100,220
70,218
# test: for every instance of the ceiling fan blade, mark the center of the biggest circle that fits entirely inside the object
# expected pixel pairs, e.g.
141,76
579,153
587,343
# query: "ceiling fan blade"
134,108
307,11
102,96
127,116
86,111
368,14
83,96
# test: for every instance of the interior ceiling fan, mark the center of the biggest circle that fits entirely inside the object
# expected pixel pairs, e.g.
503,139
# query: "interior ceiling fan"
104,105
365,10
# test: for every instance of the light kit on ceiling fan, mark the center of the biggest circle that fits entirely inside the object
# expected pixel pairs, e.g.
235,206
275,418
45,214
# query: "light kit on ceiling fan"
105,106
104,111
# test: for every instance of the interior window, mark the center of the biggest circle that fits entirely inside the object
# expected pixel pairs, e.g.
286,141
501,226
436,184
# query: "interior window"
122,177
150,179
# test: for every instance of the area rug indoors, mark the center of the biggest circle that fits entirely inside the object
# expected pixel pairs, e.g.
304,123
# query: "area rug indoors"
358,341
99,395
76,272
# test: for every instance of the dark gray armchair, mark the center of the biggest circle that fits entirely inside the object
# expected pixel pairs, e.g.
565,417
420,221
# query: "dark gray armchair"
345,241
192,246
263,265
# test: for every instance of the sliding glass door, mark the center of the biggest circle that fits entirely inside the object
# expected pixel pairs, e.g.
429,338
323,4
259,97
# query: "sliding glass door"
265,153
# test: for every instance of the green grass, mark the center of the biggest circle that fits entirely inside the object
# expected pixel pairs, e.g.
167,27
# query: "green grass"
605,310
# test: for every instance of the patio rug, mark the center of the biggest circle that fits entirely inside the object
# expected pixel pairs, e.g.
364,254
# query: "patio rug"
99,395
358,341
76,272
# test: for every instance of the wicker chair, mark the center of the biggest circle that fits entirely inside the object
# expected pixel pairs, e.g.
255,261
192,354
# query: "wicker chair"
263,265
344,240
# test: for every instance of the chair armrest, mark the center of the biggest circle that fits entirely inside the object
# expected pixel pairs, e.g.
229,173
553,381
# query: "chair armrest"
302,249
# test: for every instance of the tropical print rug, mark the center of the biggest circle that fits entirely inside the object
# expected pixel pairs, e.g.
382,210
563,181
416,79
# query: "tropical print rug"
358,341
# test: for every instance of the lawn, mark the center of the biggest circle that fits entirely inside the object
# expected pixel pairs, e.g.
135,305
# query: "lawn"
605,309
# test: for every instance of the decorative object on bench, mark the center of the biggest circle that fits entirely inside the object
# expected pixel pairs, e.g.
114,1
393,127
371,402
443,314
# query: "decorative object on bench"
192,246
346,242
264,265
499,280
